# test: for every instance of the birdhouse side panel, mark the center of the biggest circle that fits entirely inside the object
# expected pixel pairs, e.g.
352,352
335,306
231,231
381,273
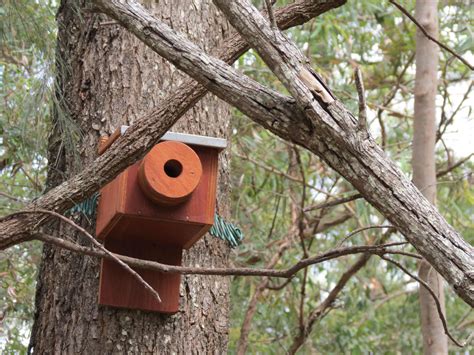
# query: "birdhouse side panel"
111,204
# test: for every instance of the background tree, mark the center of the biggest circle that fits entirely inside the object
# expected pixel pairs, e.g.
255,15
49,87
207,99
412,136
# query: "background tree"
424,164
26,56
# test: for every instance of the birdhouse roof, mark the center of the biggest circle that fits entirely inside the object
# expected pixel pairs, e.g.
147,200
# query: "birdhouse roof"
192,139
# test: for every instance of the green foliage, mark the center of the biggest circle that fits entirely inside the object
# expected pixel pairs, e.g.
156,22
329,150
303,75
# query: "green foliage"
27,31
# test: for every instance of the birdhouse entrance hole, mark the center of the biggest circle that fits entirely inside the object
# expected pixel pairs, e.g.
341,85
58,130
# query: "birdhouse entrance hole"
173,168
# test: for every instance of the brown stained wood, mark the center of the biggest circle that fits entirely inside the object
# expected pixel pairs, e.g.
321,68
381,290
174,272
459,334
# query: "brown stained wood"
105,142
170,173
133,224
146,230
123,196
119,289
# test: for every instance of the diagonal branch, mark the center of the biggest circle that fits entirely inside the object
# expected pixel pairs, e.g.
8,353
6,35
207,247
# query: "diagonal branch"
450,168
333,136
333,202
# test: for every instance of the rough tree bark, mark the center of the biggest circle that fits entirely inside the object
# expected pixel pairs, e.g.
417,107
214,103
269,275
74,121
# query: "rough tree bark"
435,340
327,129
110,78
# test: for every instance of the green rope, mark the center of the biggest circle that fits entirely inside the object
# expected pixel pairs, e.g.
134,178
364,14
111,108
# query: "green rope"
221,229
86,207
226,231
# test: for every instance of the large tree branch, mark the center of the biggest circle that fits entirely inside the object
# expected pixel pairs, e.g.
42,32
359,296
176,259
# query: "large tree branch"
146,132
322,125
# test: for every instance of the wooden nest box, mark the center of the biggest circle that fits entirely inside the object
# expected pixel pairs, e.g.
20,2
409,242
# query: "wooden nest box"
153,210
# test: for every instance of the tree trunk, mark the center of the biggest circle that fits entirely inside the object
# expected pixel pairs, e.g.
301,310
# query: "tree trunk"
106,78
435,340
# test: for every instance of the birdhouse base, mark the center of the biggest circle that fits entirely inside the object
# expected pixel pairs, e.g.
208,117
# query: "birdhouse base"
118,288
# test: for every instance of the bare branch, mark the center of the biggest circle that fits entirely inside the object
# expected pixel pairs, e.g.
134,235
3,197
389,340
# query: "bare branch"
188,270
278,172
431,38
271,16
460,162
252,304
445,122
362,124
361,230
10,197
333,203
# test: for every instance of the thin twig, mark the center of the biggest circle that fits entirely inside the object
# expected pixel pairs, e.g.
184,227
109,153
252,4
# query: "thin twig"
333,203
110,255
431,38
360,230
362,125
10,197
443,125
443,172
435,298
281,286
274,219
271,16
276,171
35,183
188,270
368,315
287,241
